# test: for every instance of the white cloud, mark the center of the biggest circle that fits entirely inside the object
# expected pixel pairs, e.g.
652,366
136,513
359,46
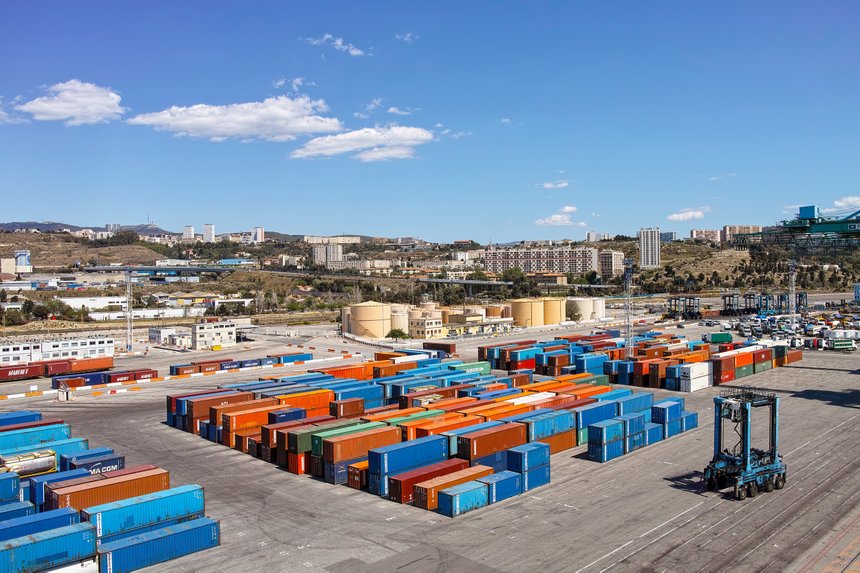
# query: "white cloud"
459,134
274,119
360,115
374,103
408,37
372,143
397,111
561,219
9,119
715,178
295,83
337,43
849,202
687,215
505,121
596,214
556,184
438,125
75,103
719,177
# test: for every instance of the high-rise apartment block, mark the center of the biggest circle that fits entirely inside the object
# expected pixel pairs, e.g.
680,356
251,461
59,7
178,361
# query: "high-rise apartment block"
325,254
709,235
188,233
577,260
208,233
730,231
649,248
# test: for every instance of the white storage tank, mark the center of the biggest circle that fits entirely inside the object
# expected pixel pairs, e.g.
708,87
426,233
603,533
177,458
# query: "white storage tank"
599,305
584,306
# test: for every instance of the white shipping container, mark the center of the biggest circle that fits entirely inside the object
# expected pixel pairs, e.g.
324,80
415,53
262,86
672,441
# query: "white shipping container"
697,370
531,398
696,384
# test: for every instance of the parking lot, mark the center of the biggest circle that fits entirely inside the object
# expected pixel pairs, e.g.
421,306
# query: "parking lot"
645,511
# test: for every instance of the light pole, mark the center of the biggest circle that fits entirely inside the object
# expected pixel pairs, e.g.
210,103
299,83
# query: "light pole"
628,308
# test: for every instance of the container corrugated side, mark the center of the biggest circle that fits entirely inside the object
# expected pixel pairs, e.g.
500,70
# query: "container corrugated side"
111,489
135,512
47,549
463,498
38,522
159,546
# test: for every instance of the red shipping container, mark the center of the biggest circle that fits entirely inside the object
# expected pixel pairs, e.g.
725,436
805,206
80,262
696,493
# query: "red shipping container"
401,486
485,442
348,407
356,475
9,373
298,463
145,374
25,425
523,364
570,405
724,376
189,369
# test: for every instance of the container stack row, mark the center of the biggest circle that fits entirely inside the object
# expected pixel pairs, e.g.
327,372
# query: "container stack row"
55,368
205,366
64,503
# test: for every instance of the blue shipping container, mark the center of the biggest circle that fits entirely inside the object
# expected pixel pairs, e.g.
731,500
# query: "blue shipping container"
633,423
606,432
52,548
37,522
287,415
268,361
296,358
613,395
633,442
38,483
144,510
230,365
678,399
159,546
397,457
532,455
10,486
462,498
100,464
338,473
535,477
13,509
250,363
550,424
59,447
666,411
597,412
605,452
671,428
653,433
78,456
689,420
502,485
498,461
637,402
33,436
24,492
525,415
19,417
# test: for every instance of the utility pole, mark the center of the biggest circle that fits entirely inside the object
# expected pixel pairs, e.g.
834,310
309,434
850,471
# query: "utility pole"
129,302
792,277
628,308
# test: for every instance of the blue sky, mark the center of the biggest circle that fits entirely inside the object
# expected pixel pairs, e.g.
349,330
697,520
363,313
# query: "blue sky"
447,120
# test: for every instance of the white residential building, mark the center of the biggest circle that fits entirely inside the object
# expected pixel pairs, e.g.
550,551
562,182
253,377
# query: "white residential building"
94,302
258,235
577,260
730,231
25,351
208,233
649,248
188,233
710,235
594,237
342,240
328,253
611,263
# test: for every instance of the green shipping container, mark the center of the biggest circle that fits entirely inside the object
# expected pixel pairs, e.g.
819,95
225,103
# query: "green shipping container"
479,367
780,351
744,371
841,344
719,337
762,366
582,436
299,442
318,437
415,416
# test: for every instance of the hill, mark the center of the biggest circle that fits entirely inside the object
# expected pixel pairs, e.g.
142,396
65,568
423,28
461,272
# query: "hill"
58,250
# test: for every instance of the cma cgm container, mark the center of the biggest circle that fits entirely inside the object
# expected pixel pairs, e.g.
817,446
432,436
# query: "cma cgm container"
38,522
100,464
145,510
159,546
47,549
65,460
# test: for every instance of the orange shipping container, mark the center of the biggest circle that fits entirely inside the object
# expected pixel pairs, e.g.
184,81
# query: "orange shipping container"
392,369
352,446
357,475
591,391
215,412
235,421
426,494
90,364
450,404
309,400
446,426
572,377
110,490
744,359
387,355
506,411
240,440
481,407
560,442
409,427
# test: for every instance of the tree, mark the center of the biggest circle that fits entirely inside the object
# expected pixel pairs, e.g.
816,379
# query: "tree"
41,312
397,333
3,295
477,275
28,306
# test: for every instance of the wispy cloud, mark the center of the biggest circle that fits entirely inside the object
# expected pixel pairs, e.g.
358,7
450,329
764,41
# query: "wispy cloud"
397,111
408,37
556,184
9,119
505,121
719,177
75,103
372,106
338,44
370,143
274,119
295,83
561,219
596,214
687,215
